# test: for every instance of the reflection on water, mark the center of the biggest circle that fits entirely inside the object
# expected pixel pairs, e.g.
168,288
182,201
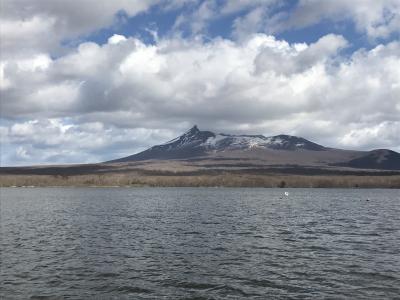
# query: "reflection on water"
199,243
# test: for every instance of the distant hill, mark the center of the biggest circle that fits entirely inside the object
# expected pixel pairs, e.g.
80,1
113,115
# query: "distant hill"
258,150
381,159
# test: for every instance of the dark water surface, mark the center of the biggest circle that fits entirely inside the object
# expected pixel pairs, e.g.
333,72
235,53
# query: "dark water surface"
199,243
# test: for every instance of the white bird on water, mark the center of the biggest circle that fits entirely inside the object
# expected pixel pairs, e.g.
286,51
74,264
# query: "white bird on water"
286,193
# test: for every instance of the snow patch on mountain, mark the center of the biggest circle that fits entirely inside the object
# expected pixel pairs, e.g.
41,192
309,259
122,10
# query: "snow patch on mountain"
221,142
214,140
195,141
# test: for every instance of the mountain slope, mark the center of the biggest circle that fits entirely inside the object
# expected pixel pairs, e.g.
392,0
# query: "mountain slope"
185,146
261,151
195,143
377,159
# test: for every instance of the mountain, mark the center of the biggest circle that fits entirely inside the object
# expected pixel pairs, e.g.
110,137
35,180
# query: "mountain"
196,143
377,159
258,150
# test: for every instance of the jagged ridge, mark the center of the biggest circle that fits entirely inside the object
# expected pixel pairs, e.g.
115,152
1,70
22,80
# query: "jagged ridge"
195,142
280,149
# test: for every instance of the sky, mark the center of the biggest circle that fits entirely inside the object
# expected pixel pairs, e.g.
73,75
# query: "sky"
88,81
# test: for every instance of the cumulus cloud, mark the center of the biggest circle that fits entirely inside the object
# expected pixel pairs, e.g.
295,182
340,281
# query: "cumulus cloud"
377,19
28,28
95,102
376,136
299,58
116,38
220,84
206,11
60,141
249,23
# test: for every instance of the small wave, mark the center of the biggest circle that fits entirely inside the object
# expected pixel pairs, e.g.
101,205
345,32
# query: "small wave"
230,263
318,248
275,285
244,233
193,285
42,297
107,274
219,249
133,290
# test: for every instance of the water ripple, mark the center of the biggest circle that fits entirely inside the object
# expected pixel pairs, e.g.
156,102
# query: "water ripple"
185,243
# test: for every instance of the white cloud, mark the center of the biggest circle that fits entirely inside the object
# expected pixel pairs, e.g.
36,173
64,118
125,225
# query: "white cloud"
57,140
199,18
26,36
239,5
250,23
207,11
258,85
377,19
4,81
35,63
296,59
22,153
116,38
113,99
376,136
28,28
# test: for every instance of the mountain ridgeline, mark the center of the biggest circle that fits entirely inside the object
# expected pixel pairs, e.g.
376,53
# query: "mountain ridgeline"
280,150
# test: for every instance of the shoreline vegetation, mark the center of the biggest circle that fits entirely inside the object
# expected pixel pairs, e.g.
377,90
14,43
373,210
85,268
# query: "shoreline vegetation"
220,180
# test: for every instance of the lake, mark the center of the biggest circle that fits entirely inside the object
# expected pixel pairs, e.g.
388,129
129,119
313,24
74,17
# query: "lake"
199,243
